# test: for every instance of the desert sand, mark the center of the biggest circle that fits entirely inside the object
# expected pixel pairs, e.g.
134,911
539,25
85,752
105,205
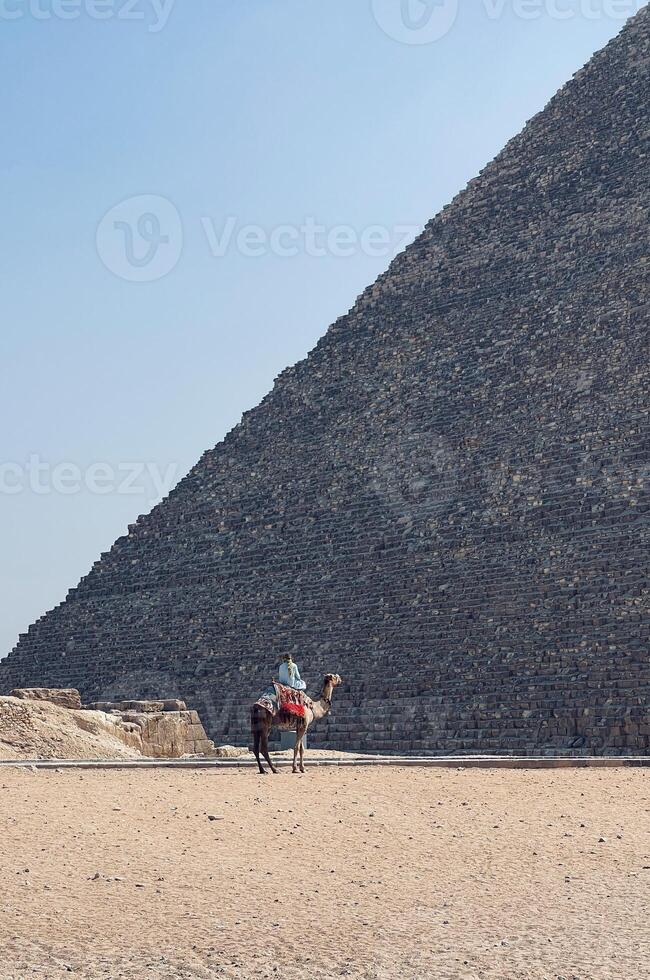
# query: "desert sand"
376,873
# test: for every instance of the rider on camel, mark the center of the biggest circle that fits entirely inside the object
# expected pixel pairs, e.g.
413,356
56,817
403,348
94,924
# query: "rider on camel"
290,675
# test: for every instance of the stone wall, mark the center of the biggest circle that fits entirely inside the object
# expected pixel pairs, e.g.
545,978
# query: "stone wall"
446,501
167,730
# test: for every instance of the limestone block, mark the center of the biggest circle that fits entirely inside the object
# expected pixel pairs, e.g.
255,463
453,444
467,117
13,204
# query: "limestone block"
64,697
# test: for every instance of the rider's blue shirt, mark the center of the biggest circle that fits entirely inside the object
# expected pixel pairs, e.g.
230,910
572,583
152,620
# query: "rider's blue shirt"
291,677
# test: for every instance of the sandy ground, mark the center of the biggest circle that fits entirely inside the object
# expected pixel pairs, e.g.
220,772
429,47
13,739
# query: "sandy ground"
374,873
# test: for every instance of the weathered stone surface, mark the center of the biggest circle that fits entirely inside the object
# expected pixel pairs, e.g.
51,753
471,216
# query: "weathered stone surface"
447,501
229,751
173,704
143,707
167,734
65,698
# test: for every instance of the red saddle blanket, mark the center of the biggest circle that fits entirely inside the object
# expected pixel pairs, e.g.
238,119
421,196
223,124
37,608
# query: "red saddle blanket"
290,701
280,699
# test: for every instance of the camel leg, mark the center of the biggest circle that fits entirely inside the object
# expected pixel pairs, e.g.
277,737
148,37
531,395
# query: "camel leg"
302,750
265,750
256,725
299,748
256,750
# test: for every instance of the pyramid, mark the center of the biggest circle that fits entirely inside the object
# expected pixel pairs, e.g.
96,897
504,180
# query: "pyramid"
446,501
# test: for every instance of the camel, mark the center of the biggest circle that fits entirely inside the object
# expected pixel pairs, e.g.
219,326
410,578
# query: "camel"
262,721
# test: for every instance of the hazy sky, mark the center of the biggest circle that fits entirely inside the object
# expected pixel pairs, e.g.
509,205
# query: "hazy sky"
192,191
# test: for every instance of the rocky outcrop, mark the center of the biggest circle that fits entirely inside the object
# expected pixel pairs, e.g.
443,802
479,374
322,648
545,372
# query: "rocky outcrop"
39,729
167,730
447,501
45,723
67,698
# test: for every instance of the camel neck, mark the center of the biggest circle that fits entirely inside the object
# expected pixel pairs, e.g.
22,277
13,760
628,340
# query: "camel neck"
324,703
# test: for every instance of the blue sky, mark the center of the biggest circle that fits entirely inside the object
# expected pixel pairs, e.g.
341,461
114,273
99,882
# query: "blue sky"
192,191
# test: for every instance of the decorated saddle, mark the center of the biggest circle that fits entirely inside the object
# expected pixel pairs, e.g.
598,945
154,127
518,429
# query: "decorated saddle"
282,700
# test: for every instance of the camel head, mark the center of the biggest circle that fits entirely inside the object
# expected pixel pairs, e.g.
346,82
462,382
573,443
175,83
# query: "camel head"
324,703
333,679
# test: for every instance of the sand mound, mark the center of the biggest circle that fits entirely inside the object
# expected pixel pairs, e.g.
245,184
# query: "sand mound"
40,730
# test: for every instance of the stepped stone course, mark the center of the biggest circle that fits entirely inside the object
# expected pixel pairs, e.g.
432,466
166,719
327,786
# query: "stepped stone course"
447,501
